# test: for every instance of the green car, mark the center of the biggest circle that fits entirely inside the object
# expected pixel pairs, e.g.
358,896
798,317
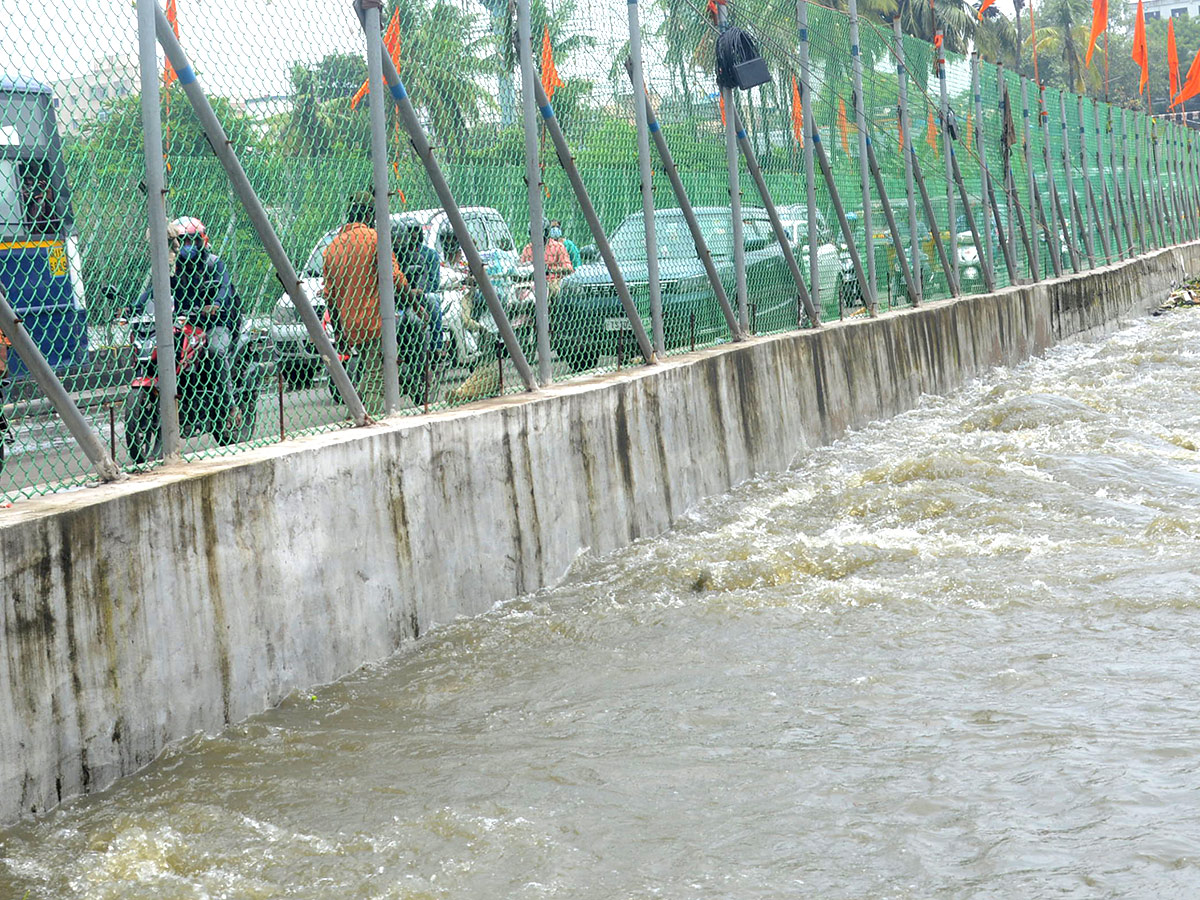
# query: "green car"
587,320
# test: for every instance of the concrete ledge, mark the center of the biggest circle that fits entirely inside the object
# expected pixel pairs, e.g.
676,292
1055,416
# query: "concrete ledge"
135,614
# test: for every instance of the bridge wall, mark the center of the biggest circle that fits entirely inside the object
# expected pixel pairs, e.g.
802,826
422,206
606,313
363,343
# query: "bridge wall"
136,614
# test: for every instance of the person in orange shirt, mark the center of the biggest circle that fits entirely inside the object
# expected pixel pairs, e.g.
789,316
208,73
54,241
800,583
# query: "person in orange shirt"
351,280
558,260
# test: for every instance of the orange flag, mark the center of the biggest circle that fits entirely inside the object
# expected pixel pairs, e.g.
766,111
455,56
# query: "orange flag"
1139,54
843,126
797,114
1191,85
931,135
970,131
1099,25
550,79
983,8
1172,57
169,76
391,43
721,104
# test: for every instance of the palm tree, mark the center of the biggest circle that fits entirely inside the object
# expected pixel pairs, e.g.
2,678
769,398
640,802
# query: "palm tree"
1063,40
996,39
443,62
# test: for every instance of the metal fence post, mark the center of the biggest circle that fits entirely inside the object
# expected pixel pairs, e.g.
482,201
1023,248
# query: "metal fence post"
1096,221
1064,237
906,151
156,214
1081,228
839,210
24,346
383,216
1105,198
984,175
689,215
643,144
860,120
735,188
589,213
1035,264
1146,197
1134,214
420,143
1053,241
893,229
776,224
1126,228
1168,229
810,176
927,204
254,210
947,149
533,185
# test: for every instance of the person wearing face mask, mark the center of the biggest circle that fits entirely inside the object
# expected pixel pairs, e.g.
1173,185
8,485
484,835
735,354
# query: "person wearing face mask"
556,234
558,261
202,291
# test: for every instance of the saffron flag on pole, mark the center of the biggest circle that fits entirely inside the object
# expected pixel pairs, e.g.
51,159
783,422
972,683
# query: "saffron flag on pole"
169,76
550,79
721,104
1139,54
931,135
1191,84
1099,26
983,8
843,125
797,114
391,43
1172,57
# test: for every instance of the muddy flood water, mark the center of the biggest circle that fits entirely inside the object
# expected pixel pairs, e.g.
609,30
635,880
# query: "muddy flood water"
954,655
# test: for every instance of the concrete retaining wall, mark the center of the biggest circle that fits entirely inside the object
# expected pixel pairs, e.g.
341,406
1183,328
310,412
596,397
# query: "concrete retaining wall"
135,614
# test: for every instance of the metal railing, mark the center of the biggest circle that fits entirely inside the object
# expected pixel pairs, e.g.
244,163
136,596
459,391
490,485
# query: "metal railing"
657,212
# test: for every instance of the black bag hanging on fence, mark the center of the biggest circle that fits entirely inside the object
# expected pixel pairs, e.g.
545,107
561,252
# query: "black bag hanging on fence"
739,64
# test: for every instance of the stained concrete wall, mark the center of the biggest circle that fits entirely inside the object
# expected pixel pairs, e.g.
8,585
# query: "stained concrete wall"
135,614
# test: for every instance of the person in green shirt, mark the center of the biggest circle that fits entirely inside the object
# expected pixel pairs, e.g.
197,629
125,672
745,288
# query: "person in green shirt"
556,233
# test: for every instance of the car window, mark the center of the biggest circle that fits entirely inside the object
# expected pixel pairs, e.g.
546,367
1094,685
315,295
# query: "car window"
316,259
755,228
478,232
501,237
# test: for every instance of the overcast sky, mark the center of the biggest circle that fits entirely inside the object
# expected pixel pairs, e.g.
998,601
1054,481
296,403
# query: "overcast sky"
243,48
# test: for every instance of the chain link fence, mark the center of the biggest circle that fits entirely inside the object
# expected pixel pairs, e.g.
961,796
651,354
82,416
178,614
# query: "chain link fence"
1033,189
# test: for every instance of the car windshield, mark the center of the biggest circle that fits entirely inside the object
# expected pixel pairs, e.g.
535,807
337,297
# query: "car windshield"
674,239
316,259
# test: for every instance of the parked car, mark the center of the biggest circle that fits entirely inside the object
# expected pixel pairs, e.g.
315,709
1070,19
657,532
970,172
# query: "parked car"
795,221
297,355
587,317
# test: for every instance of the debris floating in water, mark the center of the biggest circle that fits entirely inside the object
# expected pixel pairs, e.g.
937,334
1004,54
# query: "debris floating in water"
1188,295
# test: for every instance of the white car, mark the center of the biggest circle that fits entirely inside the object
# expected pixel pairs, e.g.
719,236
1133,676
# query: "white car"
295,352
795,221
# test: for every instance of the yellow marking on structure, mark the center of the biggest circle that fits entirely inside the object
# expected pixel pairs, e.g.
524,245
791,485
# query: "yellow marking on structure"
28,245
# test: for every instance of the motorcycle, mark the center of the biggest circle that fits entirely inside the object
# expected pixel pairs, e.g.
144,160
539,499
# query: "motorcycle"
471,332
202,408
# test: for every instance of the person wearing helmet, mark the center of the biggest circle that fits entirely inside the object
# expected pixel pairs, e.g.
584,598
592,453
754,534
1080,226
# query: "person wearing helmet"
203,292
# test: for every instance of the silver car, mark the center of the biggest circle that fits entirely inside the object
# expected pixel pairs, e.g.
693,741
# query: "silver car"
295,352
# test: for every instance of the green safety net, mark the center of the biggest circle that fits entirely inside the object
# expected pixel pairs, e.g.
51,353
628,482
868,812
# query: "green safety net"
286,80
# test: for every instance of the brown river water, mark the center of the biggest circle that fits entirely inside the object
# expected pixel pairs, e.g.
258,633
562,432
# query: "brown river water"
953,655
